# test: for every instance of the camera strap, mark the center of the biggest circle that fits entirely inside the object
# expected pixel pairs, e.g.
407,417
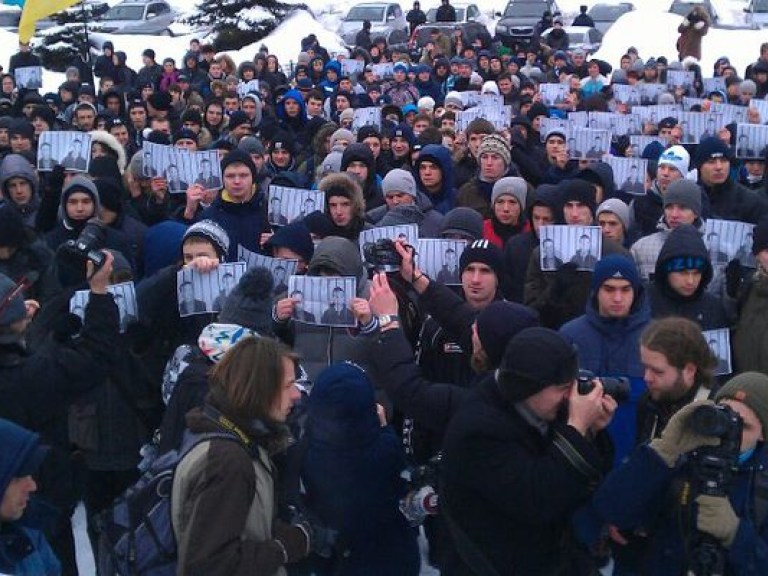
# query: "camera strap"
467,549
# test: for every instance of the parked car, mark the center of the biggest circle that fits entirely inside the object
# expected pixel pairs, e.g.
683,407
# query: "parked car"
9,17
757,13
585,37
94,10
464,13
519,19
386,18
604,15
139,17
683,8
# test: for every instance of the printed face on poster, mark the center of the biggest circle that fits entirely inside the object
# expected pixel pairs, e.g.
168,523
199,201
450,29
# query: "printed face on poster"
439,259
201,293
280,268
288,205
124,295
72,150
323,301
580,245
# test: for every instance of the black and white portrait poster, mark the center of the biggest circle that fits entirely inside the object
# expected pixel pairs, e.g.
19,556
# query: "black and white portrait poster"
680,79
726,240
549,124
29,77
628,173
719,341
181,168
205,292
657,112
626,94
288,205
499,116
751,141
124,295
762,108
350,66
560,244
280,268
579,119
714,84
732,114
439,259
323,301
370,116
649,93
489,100
250,87
207,169
553,94
409,233
638,143
625,124
72,150
382,71
588,144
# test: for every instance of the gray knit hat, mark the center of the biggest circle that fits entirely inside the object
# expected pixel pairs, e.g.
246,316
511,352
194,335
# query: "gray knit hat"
617,208
331,163
399,180
685,193
211,231
495,144
511,185
464,222
251,145
342,134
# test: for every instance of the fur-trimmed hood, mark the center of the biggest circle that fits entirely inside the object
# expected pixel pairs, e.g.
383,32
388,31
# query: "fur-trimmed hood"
111,142
344,185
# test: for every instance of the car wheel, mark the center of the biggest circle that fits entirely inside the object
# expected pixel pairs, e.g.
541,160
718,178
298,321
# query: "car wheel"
166,33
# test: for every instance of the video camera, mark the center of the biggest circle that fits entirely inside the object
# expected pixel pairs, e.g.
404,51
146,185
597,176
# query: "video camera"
86,247
712,469
382,255
617,388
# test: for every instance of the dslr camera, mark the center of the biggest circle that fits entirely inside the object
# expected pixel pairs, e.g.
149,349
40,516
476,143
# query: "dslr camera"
87,246
422,499
617,388
382,255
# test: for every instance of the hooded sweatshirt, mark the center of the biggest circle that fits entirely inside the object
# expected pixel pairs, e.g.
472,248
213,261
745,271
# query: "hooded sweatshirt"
371,186
702,307
445,200
16,166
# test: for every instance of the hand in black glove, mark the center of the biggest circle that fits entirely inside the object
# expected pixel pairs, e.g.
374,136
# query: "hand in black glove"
57,179
734,275
565,277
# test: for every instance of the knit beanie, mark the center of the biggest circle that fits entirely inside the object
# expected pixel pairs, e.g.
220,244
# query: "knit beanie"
341,134
495,144
677,157
347,114
617,208
296,237
499,322
612,267
464,222
484,252
426,103
513,186
685,193
251,145
237,118
577,190
453,98
238,156
399,180
403,130
533,360
751,388
250,303
110,194
213,233
332,162
283,141
759,236
710,148
368,131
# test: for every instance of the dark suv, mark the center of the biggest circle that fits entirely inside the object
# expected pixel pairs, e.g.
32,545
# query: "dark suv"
519,19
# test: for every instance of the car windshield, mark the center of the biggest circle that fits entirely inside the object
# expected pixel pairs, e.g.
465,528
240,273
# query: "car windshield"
432,14
604,12
683,8
515,9
9,18
760,5
360,13
124,13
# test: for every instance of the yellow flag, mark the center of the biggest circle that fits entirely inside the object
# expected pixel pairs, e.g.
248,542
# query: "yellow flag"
34,10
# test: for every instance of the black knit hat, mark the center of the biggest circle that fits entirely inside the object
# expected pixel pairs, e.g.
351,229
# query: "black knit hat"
710,148
238,156
578,191
295,237
534,359
499,322
250,302
282,141
110,194
484,252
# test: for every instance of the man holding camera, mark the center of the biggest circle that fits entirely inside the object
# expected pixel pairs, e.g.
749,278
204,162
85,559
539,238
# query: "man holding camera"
523,452
694,520
607,336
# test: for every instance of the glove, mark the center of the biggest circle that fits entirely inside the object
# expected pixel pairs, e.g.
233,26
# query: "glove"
733,278
679,437
717,518
295,538
57,179
565,278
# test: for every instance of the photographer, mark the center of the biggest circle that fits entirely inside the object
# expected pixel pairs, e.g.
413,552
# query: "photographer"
523,452
651,495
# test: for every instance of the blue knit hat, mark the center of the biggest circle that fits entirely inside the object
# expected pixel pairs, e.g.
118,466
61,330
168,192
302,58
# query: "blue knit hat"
615,266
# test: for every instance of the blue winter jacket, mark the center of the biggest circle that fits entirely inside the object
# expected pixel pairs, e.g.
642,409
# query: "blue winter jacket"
244,222
445,200
639,495
611,347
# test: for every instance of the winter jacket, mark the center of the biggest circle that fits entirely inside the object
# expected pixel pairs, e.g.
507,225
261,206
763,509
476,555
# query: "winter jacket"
646,250
33,261
224,504
351,473
476,193
499,478
732,201
401,93
16,166
611,347
23,60
244,222
148,75
692,30
646,211
750,338
421,213
498,234
644,494
702,307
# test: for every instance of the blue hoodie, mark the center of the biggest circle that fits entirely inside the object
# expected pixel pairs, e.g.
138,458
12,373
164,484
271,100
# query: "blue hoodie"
445,200
327,86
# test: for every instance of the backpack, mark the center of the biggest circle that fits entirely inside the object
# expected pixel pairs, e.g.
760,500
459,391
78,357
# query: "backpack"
137,537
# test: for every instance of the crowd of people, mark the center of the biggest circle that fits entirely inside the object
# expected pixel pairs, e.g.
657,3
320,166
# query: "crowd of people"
317,436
